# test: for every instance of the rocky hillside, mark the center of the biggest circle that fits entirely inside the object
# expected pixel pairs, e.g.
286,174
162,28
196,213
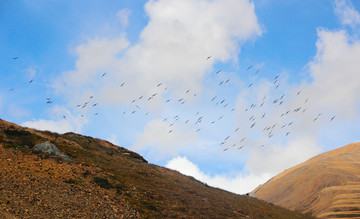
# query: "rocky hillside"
104,180
326,186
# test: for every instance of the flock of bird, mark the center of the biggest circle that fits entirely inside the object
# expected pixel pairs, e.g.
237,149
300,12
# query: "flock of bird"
255,112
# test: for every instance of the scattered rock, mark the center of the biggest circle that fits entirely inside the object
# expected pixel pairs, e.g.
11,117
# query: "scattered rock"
50,149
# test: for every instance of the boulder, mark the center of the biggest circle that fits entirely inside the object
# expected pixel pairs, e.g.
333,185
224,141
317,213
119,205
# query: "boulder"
49,149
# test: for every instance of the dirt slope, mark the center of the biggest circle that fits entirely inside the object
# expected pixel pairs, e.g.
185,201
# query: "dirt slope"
106,181
326,186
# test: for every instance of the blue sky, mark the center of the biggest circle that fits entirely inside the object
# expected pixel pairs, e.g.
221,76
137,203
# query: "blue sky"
159,51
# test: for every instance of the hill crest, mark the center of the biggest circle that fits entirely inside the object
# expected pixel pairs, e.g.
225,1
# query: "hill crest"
326,185
105,180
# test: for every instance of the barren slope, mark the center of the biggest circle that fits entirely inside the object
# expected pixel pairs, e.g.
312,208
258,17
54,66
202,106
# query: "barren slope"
327,185
105,180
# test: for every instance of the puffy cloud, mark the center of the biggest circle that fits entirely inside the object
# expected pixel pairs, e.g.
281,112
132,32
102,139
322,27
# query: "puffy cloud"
172,50
239,183
59,124
274,159
346,12
336,80
161,141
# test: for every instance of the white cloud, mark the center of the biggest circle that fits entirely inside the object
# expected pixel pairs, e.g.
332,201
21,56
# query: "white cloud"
336,79
172,50
123,16
346,12
276,158
59,124
161,141
239,183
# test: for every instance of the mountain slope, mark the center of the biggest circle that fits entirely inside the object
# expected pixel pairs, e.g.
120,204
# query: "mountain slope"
326,186
104,180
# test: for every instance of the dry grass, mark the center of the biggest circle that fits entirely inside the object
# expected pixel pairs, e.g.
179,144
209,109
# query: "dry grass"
319,185
105,180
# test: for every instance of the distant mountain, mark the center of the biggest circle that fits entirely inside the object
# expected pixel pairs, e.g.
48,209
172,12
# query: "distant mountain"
105,181
326,186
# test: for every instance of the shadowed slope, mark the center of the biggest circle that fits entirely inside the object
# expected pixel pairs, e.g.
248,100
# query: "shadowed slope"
327,185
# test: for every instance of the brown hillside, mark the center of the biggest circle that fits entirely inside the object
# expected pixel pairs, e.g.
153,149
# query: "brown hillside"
106,181
326,186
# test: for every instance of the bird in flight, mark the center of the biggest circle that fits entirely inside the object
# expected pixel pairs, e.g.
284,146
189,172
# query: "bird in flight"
218,72
31,81
249,67
103,74
15,58
208,57
332,118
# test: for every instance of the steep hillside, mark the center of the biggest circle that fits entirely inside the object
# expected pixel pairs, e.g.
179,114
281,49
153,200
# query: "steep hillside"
326,186
104,180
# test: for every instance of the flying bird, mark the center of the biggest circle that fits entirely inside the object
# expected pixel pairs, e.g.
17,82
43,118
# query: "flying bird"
218,72
332,118
15,58
31,81
103,74
208,57
249,67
